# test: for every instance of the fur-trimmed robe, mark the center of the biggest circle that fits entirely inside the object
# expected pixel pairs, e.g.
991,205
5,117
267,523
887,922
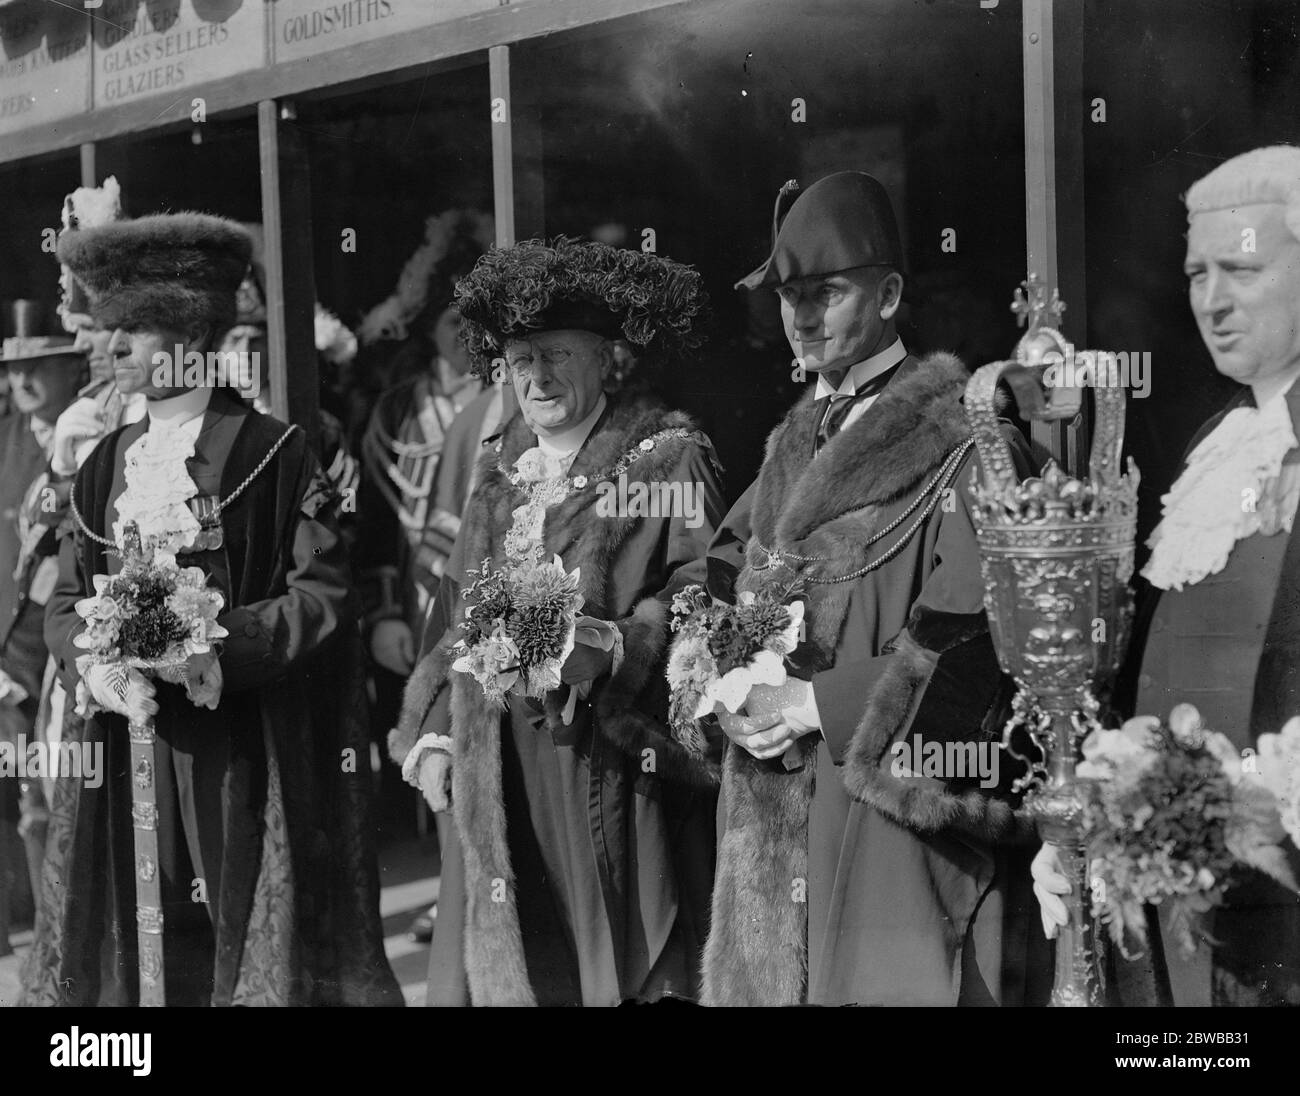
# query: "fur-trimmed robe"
611,899
292,909
840,882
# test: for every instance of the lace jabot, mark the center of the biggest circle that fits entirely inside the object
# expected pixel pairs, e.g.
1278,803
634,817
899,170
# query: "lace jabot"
1234,486
158,488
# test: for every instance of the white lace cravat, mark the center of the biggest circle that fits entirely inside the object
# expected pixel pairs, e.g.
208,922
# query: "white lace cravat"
158,488
1233,487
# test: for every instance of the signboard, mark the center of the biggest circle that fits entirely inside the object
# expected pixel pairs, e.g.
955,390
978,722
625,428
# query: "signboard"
304,28
44,64
149,48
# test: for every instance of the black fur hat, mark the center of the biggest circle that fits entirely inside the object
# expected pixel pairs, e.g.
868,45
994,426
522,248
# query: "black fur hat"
168,271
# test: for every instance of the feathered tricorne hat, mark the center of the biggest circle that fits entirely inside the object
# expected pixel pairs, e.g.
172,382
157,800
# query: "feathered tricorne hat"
170,271
652,302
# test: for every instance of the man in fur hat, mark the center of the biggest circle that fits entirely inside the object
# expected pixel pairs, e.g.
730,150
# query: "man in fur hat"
845,876
577,868
1219,601
269,885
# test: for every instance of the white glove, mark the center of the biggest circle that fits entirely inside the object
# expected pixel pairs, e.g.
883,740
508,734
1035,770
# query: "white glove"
794,700
120,689
13,693
1049,882
204,681
435,779
83,420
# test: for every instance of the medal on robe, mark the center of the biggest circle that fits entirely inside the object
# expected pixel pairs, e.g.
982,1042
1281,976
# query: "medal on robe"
207,512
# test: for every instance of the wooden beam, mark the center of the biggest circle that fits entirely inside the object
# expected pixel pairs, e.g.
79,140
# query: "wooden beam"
503,167
291,366
1040,172
88,164
333,69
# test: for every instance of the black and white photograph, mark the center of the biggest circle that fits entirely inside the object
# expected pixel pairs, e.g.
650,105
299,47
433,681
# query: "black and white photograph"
678,505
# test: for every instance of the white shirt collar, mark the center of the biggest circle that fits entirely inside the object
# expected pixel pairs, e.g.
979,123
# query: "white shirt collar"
185,411
568,442
864,371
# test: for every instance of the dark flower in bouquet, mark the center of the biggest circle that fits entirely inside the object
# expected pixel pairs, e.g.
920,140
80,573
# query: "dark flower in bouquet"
519,627
154,616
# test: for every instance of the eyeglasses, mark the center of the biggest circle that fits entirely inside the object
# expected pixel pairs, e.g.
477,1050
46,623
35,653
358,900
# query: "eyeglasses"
553,357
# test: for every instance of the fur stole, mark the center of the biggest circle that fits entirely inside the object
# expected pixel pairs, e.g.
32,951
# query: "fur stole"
828,510
582,538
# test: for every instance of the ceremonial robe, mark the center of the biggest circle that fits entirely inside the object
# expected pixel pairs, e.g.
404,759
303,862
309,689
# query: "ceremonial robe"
578,865
844,882
264,800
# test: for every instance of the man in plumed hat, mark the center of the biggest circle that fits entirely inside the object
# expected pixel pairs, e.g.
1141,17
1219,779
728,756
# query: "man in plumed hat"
1218,621
579,854
845,875
268,881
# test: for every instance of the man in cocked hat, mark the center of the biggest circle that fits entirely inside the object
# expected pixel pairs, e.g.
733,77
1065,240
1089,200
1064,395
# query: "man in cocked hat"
269,886
848,874
579,855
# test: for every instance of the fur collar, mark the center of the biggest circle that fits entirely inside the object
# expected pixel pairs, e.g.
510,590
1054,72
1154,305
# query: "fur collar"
903,436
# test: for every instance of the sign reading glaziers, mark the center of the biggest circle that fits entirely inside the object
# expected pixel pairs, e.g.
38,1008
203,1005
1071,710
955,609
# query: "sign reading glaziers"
155,47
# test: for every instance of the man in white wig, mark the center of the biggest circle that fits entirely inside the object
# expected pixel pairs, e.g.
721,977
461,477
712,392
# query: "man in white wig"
1219,624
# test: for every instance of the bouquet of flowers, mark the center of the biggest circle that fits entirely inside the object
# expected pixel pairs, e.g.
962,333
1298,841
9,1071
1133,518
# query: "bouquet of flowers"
1175,809
722,651
151,616
519,628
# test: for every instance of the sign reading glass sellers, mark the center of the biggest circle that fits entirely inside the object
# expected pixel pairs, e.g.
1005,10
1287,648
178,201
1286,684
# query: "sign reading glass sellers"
145,48
44,64
304,28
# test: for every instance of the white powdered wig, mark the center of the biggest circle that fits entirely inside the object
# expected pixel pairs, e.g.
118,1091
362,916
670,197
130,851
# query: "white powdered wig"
1262,175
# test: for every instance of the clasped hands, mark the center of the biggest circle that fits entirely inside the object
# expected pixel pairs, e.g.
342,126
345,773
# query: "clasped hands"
136,697
773,719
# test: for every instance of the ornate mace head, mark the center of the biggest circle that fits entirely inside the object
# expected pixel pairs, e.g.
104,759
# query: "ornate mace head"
1056,552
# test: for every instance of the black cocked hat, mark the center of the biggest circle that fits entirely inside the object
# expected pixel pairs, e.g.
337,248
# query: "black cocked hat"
840,222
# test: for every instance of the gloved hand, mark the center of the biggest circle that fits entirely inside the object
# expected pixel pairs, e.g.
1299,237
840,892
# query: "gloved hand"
203,685
392,646
763,735
1049,882
435,779
83,420
120,689
11,692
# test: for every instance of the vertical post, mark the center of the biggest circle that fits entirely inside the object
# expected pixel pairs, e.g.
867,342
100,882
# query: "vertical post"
1053,79
1040,171
88,164
291,367
503,168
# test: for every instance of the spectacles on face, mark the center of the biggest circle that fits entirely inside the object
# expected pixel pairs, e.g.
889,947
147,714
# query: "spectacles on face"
553,357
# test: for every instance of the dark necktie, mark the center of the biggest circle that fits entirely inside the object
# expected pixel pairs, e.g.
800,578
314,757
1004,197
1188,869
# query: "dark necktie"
840,406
